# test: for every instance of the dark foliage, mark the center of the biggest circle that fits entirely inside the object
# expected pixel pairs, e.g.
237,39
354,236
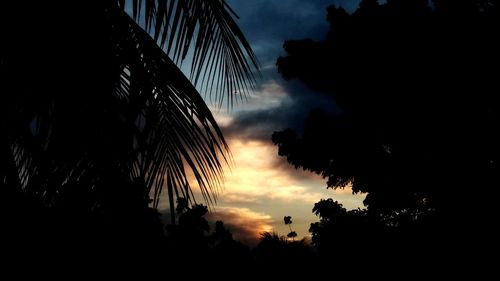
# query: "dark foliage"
417,85
190,242
276,255
96,119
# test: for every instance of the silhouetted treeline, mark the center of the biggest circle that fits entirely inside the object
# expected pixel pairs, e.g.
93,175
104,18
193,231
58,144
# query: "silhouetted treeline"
417,128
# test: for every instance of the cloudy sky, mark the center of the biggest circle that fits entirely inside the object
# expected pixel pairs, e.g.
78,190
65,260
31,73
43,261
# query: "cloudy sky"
261,188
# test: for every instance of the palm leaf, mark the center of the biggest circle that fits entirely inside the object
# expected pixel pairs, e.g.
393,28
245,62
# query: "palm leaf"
205,33
144,121
178,127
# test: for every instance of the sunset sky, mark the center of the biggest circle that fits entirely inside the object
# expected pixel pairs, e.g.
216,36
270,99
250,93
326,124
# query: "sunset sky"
144,135
261,188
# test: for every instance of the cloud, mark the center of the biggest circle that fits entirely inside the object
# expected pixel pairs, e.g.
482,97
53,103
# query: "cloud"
260,176
256,125
260,173
277,105
245,224
267,23
259,116
256,177
262,185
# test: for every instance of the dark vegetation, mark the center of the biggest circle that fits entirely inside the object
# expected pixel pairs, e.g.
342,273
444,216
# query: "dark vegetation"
96,119
417,86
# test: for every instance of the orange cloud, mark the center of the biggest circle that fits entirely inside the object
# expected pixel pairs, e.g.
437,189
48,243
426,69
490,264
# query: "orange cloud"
269,95
259,180
257,174
245,224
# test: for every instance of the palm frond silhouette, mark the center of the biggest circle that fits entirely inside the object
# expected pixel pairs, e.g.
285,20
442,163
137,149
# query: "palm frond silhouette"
93,98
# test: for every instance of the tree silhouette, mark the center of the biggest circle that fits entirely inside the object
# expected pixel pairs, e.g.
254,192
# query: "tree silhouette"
417,129
190,241
96,119
101,103
350,227
188,237
288,221
280,257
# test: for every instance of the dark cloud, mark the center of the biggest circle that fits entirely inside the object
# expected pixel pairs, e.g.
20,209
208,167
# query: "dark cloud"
267,24
259,124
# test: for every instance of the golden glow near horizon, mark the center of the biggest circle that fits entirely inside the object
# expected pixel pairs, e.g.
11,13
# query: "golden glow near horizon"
261,182
245,224
261,187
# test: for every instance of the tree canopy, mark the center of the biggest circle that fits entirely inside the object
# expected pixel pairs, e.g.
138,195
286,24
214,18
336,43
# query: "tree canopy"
418,118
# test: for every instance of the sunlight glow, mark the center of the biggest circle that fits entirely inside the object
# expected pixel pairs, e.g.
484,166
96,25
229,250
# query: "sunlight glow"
245,224
257,175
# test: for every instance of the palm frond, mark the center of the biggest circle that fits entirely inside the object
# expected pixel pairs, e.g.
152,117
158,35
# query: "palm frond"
178,127
205,33
153,126
115,107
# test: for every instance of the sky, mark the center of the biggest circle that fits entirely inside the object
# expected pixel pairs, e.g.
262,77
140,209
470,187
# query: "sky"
261,187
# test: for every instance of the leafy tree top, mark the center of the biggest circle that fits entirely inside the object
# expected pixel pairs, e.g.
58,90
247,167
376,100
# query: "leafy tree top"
401,132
